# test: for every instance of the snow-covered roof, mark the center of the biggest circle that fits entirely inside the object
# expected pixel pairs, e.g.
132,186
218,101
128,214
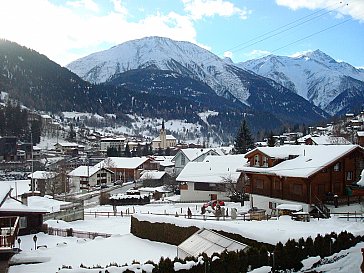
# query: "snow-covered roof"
168,137
85,171
107,139
160,189
4,190
329,140
193,153
310,159
214,169
122,162
164,161
42,175
360,133
66,144
154,175
209,242
292,207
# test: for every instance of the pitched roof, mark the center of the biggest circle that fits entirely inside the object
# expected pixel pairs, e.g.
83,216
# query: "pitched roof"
214,169
310,159
154,175
193,153
86,171
209,242
168,137
123,162
42,175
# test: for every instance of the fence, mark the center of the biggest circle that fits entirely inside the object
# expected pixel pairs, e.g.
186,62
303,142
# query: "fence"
76,233
73,213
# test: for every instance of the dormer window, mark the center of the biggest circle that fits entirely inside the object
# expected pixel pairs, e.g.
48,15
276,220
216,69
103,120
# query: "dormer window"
256,161
265,161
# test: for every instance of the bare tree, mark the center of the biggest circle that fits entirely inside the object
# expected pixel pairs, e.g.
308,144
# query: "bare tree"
235,188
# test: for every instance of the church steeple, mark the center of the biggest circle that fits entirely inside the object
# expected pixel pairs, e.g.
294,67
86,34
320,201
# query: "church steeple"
163,125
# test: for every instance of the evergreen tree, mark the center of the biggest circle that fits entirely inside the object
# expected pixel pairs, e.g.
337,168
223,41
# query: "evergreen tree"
244,140
112,152
271,140
71,133
127,150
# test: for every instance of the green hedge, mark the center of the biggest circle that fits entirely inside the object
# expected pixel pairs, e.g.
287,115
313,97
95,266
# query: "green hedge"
174,235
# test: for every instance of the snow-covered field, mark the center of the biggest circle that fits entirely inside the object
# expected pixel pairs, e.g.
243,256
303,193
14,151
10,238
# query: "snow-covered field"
123,247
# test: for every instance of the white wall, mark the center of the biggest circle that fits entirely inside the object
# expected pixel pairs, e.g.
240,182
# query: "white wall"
262,202
192,195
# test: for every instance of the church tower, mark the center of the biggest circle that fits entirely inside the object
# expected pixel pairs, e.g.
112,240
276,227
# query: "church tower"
163,137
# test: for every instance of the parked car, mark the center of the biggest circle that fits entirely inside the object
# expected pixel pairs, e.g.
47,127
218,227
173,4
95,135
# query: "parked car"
213,203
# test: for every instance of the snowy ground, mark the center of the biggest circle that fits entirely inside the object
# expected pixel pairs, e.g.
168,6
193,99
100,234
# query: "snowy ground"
123,247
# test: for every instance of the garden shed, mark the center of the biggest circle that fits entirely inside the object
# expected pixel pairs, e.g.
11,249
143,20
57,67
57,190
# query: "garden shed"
209,242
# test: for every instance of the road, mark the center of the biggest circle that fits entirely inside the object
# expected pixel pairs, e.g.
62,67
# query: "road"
95,200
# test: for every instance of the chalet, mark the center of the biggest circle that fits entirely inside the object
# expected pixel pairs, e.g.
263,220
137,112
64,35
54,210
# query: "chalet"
69,148
301,173
152,178
324,140
84,177
163,163
126,168
360,138
213,179
30,219
192,155
40,181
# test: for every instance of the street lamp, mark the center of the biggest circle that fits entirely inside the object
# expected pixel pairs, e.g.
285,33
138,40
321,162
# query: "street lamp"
19,241
35,238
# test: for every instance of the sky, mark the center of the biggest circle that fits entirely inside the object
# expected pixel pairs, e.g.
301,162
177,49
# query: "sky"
65,30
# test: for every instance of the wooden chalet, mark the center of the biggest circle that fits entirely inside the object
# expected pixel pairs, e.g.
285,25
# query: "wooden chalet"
127,168
301,173
30,219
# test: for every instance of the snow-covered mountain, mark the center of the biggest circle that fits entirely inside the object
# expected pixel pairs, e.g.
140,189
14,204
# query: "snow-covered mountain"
316,77
163,54
187,59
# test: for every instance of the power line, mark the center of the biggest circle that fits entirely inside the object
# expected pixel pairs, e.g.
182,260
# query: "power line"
282,27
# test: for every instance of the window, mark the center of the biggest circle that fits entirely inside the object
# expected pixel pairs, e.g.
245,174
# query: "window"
337,167
265,161
183,160
256,160
349,176
23,223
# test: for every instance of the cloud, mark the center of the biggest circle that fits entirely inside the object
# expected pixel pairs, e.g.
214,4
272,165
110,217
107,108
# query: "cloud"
87,4
64,33
228,54
300,53
354,8
208,8
256,53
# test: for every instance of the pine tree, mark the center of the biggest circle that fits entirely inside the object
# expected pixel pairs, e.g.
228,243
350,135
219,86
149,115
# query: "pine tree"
271,140
127,150
244,140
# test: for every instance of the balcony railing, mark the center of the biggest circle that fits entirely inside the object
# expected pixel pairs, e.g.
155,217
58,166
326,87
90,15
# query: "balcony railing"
9,228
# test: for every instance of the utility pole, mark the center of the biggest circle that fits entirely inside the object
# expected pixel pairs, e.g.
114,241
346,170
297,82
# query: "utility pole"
32,180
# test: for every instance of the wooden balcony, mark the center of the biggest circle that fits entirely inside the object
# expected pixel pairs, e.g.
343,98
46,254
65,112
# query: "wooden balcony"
9,228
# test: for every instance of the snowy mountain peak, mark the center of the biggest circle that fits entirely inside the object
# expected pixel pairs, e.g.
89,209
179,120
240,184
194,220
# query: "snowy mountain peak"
163,54
313,75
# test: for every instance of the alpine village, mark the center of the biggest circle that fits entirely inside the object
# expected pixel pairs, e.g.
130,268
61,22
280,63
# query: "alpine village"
158,156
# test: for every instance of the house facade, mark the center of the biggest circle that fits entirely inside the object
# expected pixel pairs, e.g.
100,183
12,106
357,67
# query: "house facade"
85,177
126,168
216,178
184,156
117,143
301,173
